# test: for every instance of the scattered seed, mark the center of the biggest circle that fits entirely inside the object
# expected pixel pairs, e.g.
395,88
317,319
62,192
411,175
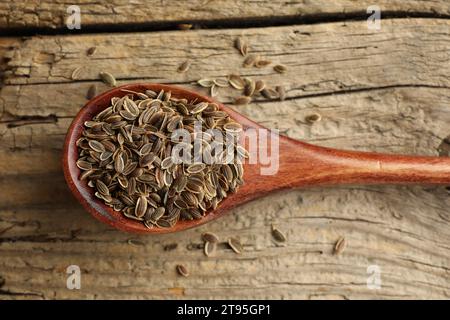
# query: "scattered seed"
235,245
76,73
221,83
269,93
262,63
242,100
340,245
184,67
92,92
236,82
280,68
241,45
108,78
281,92
214,91
249,88
91,51
278,235
210,237
315,117
251,60
182,270
206,83
259,86
209,248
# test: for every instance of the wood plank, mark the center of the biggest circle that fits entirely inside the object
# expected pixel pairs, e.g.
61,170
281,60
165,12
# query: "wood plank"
52,14
395,100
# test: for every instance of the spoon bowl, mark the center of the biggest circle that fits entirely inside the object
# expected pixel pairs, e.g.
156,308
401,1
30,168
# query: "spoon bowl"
299,164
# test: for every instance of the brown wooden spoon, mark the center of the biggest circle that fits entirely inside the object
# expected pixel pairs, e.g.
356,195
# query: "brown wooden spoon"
300,165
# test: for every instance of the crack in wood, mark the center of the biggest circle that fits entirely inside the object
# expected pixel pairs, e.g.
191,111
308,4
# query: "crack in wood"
226,23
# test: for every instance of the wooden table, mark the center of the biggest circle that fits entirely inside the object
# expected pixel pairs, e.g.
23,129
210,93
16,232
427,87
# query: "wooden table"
384,90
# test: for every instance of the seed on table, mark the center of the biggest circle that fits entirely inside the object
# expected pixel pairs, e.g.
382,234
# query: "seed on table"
214,91
259,86
262,63
76,73
184,67
206,83
280,68
281,92
249,88
92,91
241,45
269,93
236,81
278,235
108,78
242,100
340,245
182,270
210,237
221,83
235,245
251,60
315,117
209,248
91,51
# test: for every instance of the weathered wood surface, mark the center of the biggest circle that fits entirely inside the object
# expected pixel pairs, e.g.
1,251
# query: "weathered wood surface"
382,90
52,14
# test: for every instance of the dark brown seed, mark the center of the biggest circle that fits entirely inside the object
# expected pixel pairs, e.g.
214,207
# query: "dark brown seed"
184,67
92,92
280,68
91,51
235,245
210,237
182,270
340,245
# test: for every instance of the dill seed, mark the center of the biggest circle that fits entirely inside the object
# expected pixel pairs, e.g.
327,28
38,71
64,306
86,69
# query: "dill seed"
340,245
182,270
184,67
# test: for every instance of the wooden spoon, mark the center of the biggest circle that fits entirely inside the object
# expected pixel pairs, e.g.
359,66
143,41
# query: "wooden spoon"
300,165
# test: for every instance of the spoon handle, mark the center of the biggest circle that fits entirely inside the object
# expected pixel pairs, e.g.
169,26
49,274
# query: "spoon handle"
302,164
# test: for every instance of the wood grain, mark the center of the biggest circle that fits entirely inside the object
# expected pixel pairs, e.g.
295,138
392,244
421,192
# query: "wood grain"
381,91
52,14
